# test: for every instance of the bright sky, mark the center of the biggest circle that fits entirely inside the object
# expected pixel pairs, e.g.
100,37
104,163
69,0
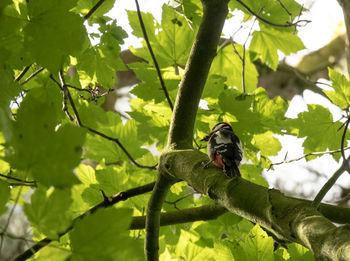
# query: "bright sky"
327,22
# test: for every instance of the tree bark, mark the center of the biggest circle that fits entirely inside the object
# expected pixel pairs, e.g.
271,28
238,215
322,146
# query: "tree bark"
185,109
287,218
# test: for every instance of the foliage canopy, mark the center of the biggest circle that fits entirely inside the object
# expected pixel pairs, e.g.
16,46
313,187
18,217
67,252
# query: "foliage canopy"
59,149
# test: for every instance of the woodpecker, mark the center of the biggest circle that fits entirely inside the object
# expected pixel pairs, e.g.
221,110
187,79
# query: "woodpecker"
224,149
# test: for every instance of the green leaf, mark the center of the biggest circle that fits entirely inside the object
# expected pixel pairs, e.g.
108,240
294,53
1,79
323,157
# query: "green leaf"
299,253
187,248
253,174
110,124
112,179
100,63
271,10
341,85
258,245
318,127
267,144
9,90
148,21
228,64
151,129
48,211
150,88
12,19
50,26
103,236
4,196
267,41
172,44
47,151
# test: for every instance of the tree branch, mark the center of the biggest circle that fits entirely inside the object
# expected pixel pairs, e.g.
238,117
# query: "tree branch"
286,218
32,182
185,110
196,72
67,94
307,155
329,184
207,212
153,56
155,203
121,196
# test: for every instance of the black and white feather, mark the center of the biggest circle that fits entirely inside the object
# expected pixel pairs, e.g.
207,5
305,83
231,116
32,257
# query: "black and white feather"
224,149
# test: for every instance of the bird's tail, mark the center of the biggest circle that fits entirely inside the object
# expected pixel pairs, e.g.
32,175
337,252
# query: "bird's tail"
232,171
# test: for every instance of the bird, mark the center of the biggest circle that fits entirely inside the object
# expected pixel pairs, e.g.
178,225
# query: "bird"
224,149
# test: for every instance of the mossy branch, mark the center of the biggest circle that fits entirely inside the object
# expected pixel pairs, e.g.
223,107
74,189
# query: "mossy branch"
185,109
288,219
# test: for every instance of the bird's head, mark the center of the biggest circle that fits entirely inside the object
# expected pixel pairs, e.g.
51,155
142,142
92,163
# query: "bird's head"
217,127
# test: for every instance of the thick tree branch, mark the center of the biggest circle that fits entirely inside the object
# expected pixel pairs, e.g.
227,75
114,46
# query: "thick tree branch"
160,190
207,212
185,109
288,219
196,72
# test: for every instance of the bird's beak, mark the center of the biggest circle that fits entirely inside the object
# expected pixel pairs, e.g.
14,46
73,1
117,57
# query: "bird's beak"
206,138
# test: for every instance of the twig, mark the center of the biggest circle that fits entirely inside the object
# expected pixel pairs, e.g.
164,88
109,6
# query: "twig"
122,148
343,138
301,10
93,9
268,22
93,92
178,200
236,51
207,212
329,184
67,93
15,184
243,70
20,76
32,76
17,179
121,196
287,11
307,155
9,217
153,56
